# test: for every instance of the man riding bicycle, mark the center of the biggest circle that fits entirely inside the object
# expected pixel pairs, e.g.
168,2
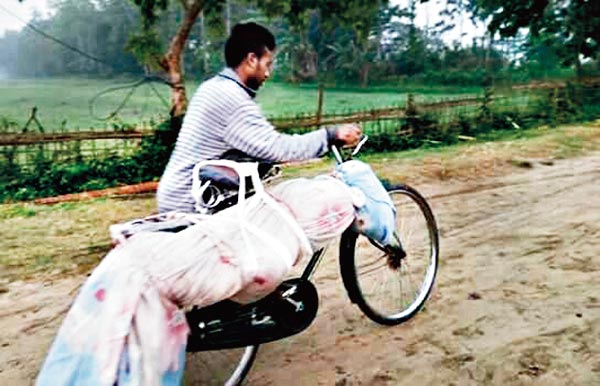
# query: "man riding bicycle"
223,117
127,324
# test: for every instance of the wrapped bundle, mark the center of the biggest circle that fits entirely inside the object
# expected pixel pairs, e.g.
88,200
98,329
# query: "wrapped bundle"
375,214
126,326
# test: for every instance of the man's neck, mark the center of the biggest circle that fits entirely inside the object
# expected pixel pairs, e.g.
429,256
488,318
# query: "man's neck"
243,77
238,79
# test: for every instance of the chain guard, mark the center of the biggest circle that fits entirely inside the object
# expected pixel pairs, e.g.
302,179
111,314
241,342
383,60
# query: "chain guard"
290,309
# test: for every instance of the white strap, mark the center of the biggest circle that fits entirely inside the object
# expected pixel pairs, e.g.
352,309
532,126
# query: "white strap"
304,242
245,169
250,169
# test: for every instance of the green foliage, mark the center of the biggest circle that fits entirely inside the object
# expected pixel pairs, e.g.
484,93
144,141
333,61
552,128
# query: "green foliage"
560,105
485,110
453,77
99,28
7,124
491,121
47,178
146,47
65,103
418,129
68,100
149,9
571,27
358,14
359,42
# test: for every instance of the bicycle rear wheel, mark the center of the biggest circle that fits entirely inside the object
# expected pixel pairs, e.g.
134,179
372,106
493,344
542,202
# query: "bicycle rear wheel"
221,367
391,295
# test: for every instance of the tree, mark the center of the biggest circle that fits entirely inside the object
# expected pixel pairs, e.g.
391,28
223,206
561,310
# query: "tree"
325,36
573,23
358,14
145,45
88,38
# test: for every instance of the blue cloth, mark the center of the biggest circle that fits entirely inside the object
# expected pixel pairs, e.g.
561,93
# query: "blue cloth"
100,342
376,218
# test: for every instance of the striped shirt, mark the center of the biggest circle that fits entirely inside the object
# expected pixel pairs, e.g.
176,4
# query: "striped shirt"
222,116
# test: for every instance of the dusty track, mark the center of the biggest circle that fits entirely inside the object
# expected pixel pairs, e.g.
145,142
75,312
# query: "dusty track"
527,244
517,301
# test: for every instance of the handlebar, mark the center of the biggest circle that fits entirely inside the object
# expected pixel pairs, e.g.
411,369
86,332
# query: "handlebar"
338,155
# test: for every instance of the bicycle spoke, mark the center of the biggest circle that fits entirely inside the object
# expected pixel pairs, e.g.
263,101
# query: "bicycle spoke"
409,278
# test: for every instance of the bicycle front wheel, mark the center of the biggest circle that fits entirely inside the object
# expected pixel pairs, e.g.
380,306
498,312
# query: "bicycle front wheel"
387,293
226,367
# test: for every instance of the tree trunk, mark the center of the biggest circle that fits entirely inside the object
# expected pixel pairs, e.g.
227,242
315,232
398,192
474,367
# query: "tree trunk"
364,75
228,17
320,104
171,62
578,69
379,34
203,45
578,65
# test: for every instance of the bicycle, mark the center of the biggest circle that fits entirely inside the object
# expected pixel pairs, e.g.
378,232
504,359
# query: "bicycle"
225,336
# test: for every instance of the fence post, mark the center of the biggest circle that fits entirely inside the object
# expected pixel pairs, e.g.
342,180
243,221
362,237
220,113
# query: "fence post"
319,105
412,115
485,111
552,107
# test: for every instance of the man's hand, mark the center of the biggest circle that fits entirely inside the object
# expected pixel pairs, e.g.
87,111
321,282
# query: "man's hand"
348,134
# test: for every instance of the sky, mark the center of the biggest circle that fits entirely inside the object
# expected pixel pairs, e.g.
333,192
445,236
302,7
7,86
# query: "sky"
427,15
23,10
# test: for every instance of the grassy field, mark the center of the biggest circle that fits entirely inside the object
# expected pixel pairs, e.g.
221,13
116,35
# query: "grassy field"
67,101
72,237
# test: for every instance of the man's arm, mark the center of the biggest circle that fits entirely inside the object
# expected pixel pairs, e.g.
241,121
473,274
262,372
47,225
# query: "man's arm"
249,131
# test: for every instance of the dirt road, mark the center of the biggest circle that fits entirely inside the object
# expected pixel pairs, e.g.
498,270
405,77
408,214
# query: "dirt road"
517,300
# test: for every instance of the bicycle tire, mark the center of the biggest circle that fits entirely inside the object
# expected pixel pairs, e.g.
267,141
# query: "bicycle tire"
207,367
359,265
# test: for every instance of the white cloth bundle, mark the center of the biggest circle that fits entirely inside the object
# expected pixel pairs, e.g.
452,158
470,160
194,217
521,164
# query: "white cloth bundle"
126,327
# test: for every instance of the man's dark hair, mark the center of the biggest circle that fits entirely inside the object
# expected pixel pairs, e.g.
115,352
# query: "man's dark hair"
246,38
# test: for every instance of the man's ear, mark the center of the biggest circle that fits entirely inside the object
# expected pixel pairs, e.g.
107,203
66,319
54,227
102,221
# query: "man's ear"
252,59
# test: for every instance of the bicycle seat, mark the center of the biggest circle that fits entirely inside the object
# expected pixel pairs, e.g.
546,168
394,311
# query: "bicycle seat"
216,183
223,176
265,167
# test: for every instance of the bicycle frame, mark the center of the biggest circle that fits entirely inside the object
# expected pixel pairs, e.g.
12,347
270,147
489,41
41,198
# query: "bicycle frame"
312,264
302,295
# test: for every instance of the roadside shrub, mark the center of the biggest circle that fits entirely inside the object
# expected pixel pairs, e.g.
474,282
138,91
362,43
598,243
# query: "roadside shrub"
47,178
452,77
